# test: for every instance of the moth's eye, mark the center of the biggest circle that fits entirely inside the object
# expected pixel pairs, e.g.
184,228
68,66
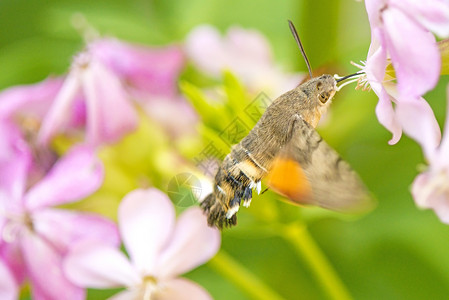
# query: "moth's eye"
323,98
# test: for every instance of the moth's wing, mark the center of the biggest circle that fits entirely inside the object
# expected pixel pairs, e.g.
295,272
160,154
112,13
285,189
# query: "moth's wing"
308,171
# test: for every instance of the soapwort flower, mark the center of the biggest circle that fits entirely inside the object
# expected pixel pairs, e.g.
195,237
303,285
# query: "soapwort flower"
431,188
246,53
108,78
109,113
159,248
28,103
401,35
150,76
34,234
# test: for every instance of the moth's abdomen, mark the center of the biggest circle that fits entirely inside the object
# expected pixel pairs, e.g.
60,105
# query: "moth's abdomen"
234,181
216,213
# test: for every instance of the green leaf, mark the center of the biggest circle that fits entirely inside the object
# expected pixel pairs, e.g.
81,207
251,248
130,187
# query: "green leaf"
204,108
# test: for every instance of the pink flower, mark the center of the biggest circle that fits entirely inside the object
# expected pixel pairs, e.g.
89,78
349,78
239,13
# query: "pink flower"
109,113
246,53
400,31
107,78
8,286
24,102
159,250
22,109
431,188
153,71
151,77
34,235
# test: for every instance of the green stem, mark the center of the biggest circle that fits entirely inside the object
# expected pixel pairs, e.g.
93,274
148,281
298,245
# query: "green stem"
443,46
307,248
224,264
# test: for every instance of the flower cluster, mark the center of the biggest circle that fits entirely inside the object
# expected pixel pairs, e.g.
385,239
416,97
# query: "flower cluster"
400,34
111,85
95,104
244,52
402,40
159,251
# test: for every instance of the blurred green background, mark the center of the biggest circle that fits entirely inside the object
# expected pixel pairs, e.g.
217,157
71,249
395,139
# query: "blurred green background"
395,252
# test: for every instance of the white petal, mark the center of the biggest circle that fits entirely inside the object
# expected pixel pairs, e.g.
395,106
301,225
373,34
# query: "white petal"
193,244
146,221
182,289
97,265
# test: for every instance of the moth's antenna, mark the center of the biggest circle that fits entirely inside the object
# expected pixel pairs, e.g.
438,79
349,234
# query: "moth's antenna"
298,41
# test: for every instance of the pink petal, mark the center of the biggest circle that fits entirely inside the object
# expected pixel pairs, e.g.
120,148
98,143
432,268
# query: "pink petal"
110,114
58,115
431,14
419,122
250,44
373,8
441,208
44,266
413,52
153,70
31,101
426,191
443,151
386,115
376,61
176,116
182,289
420,193
15,161
11,255
97,265
193,244
146,220
65,228
205,48
75,176
8,286
246,53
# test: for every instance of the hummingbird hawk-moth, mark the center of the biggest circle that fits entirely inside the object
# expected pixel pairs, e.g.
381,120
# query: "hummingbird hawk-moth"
284,148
